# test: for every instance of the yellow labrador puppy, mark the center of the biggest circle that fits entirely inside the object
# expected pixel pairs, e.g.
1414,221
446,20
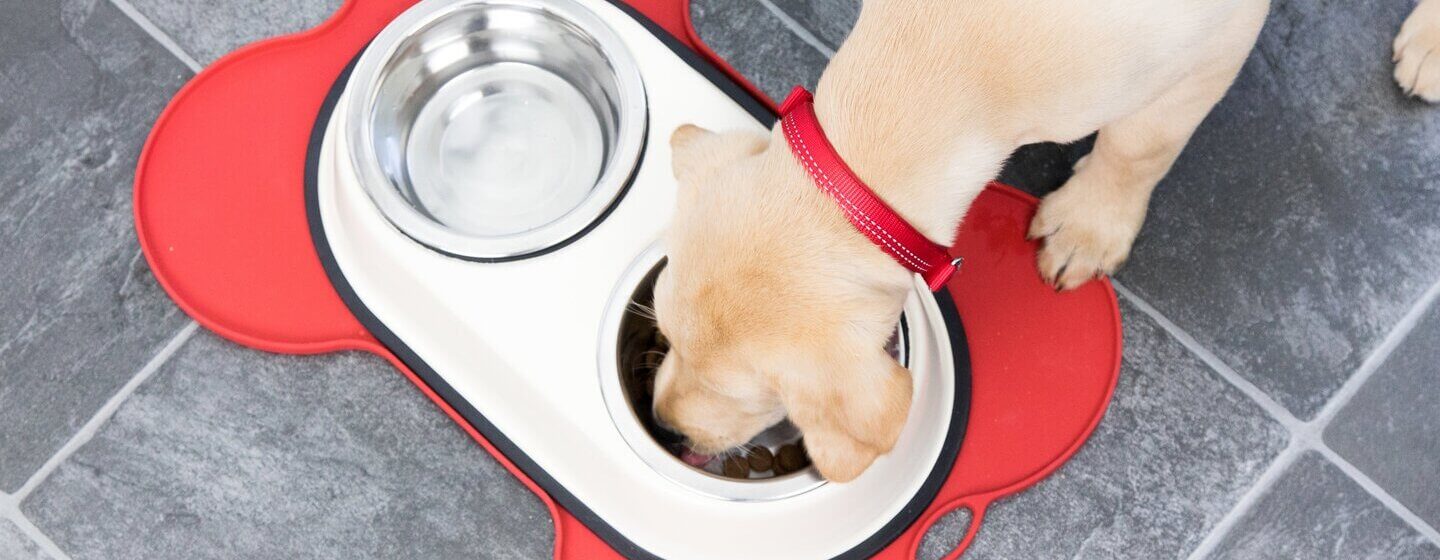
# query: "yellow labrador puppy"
775,305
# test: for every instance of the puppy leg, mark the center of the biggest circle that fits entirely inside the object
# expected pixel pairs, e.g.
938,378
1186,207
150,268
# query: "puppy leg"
1417,52
1089,224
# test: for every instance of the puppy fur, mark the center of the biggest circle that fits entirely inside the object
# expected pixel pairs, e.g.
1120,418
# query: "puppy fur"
1417,52
775,305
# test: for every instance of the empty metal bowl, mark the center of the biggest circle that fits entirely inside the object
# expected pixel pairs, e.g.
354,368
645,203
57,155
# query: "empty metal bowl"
494,129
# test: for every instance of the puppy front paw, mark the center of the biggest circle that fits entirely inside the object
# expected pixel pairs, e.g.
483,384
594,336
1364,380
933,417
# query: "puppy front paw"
1084,237
1417,53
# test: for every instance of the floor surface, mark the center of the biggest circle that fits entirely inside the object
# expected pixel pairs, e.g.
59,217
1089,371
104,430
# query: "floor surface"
1280,395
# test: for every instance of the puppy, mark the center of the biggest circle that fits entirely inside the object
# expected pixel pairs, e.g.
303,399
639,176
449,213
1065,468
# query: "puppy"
775,305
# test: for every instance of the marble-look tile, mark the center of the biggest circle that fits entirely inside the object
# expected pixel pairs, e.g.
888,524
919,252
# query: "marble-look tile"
1300,224
1177,447
829,20
232,453
14,545
753,40
1315,511
80,314
1391,428
941,538
207,29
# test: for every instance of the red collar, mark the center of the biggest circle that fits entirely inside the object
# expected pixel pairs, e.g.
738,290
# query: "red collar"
866,211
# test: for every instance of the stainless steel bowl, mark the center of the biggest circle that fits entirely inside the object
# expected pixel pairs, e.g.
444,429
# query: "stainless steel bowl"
494,129
631,415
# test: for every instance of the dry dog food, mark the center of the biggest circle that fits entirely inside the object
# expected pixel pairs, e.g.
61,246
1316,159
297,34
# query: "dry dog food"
736,466
760,459
642,349
791,458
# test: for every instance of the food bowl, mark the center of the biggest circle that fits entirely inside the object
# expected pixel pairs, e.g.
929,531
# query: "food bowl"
627,374
496,129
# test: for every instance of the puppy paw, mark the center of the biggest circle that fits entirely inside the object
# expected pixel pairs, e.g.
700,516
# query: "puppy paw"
1417,53
1084,236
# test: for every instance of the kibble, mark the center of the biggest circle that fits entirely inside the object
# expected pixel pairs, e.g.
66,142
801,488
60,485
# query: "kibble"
760,459
790,458
736,466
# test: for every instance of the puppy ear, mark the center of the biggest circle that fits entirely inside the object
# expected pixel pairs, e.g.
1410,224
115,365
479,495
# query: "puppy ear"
851,412
695,150
687,149
686,135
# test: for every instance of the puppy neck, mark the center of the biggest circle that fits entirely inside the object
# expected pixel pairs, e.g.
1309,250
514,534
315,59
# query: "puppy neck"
924,146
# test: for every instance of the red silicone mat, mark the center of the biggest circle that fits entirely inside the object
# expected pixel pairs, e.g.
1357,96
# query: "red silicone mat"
220,213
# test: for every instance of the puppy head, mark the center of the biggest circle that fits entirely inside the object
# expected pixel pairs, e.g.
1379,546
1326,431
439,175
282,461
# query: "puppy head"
717,403
767,317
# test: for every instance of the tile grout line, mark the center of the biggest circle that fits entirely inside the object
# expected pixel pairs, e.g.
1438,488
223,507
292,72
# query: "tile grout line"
1273,408
798,29
1305,436
10,504
10,509
1342,397
1397,335
42,541
1247,501
1380,494
157,34
103,415
1294,427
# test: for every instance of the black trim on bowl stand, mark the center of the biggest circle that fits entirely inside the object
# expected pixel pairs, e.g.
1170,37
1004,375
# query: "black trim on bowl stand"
871,545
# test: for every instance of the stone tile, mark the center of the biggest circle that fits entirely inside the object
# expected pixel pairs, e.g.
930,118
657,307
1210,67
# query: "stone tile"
207,29
828,20
755,41
1176,449
941,538
1391,428
1315,511
1300,223
232,453
14,545
80,314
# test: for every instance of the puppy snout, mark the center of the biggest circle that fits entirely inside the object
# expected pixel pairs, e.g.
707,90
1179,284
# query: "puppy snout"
661,423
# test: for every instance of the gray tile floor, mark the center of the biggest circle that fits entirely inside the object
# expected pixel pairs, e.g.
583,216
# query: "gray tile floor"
1278,398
